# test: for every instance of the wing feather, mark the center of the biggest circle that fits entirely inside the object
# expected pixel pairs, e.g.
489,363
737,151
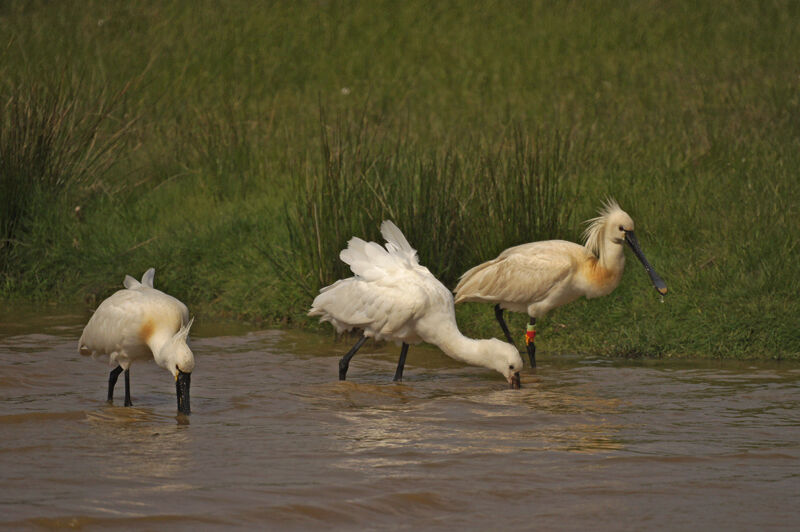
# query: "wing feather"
519,276
397,244
386,309
114,325
389,293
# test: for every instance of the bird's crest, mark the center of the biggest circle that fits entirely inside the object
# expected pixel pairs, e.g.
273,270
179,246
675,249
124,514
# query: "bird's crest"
593,235
183,332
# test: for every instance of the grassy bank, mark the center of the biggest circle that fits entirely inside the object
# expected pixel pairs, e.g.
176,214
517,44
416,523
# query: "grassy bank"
237,148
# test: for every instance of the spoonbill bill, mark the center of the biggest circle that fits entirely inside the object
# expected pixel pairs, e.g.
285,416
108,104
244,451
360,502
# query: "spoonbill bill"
141,323
540,276
392,297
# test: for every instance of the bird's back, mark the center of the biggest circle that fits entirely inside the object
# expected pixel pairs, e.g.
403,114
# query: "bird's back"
126,320
522,275
388,294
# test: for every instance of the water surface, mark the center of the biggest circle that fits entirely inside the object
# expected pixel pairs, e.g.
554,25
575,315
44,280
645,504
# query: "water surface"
274,440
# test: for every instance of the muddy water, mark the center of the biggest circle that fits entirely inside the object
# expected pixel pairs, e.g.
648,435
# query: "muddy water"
275,441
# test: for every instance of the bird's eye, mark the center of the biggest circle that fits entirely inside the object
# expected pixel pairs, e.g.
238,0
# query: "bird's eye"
621,228
511,367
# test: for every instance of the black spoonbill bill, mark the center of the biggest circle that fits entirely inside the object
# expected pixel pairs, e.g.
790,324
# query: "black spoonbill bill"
540,276
392,297
141,323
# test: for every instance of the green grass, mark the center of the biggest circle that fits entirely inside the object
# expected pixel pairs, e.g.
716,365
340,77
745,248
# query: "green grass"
237,147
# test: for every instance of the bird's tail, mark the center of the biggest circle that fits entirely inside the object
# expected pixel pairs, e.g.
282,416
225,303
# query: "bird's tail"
470,284
147,280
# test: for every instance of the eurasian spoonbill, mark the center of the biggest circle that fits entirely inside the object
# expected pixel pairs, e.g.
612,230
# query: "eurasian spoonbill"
392,297
141,323
540,276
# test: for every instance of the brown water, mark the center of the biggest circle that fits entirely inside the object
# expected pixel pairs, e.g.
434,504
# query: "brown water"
275,441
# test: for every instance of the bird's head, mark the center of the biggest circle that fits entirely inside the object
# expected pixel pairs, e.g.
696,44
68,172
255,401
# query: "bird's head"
176,352
618,224
506,360
615,226
179,360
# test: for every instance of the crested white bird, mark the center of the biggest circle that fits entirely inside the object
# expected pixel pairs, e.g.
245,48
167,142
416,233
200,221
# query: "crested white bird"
141,323
393,297
540,276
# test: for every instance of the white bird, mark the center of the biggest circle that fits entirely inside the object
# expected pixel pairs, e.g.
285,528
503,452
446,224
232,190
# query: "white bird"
540,276
392,297
141,323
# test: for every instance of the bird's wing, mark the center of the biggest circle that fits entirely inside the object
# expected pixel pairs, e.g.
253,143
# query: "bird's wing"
171,304
115,324
521,275
385,308
389,292
371,261
368,260
397,245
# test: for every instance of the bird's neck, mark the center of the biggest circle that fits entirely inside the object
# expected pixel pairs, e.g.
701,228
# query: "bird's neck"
612,257
603,273
157,341
459,347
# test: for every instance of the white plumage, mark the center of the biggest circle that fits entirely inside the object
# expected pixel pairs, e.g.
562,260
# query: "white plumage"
392,297
540,276
141,323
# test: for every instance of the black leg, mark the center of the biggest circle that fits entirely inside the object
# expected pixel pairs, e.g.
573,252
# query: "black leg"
112,381
128,387
401,364
530,335
498,313
344,363
183,382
